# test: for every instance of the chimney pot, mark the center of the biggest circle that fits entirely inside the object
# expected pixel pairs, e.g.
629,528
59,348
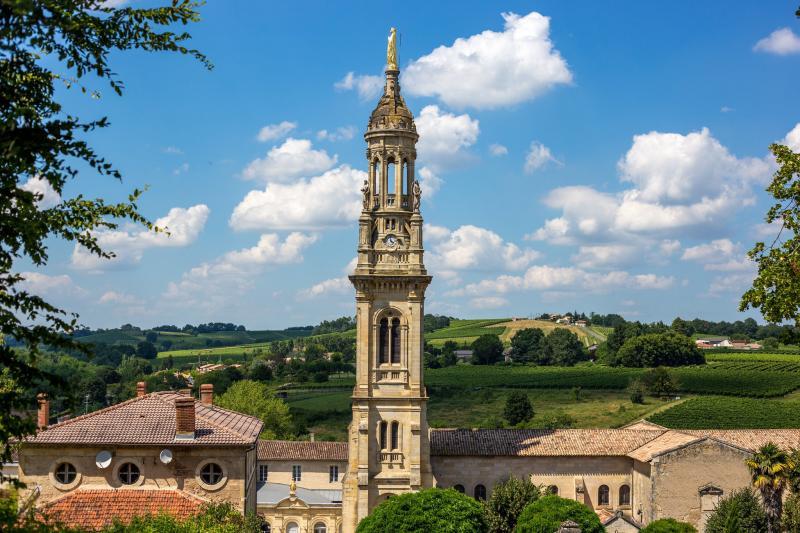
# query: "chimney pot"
141,389
207,394
43,414
184,417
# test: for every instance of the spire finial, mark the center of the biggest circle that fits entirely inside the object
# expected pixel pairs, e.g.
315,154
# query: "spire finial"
391,50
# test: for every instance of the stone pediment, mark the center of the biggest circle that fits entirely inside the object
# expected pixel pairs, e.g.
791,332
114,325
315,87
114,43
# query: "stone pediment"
292,502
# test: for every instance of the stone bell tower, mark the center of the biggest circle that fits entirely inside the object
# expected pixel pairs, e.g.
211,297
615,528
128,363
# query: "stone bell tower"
389,451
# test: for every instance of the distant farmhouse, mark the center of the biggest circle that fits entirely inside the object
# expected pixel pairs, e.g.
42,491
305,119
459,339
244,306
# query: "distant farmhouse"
712,342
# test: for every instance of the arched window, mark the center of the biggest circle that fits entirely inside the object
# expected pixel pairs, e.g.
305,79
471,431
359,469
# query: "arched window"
480,492
128,474
320,527
404,177
390,177
383,342
603,497
66,473
625,495
266,528
375,177
292,527
383,429
395,435
459,488
395,341
552,489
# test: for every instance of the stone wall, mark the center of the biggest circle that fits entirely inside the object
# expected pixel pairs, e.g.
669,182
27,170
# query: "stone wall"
37,466
315,474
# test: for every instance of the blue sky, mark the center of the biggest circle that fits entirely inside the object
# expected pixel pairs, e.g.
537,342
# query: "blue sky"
591,156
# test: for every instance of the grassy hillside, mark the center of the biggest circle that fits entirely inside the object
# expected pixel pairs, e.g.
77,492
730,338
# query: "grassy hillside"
587,335
463,332
185,341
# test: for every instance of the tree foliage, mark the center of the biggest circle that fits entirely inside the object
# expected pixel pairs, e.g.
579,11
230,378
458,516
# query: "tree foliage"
546,514
45,45
564,348
507,501
440,510
487,350
668,525
741,511
528,345
518,408
776,288
770,468
255,399
659,349
791,514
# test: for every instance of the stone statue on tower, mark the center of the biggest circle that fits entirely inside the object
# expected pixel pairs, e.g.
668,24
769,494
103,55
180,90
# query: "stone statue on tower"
391,50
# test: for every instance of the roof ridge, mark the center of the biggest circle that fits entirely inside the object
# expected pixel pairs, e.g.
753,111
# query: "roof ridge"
95,413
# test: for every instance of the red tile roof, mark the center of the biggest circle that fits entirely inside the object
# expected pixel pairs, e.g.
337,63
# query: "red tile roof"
150,420
95,509
538,442
310,451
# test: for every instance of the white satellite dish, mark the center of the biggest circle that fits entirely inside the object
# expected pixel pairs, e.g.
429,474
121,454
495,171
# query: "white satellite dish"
165,456
102,459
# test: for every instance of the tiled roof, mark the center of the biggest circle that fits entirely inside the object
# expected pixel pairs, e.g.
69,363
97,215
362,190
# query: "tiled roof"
751,439
95,509
150,420
311,451
665,442
538,442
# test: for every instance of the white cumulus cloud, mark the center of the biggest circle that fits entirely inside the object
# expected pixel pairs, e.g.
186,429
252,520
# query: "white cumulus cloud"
497,149
538,155
271,132
332,199
47,196
492,69
181,228
443,137
46,285
293,159
365,85
343,133
781,42
473,248
488,302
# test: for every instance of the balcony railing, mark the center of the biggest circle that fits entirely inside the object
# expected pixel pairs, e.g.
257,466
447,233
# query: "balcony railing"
390,375
391,457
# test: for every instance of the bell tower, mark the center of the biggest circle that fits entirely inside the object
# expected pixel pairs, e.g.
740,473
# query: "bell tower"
389,450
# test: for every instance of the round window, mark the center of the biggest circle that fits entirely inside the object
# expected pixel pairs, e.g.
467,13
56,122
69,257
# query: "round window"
66,473
128,474
211,473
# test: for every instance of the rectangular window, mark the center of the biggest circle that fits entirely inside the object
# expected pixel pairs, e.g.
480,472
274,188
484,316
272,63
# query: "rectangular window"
263,472
334,473
297,472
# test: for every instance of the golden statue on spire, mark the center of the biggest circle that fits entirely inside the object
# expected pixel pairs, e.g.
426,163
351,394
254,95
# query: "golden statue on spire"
391,50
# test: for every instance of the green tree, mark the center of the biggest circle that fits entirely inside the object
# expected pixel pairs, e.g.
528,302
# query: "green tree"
518,408
151,336
546,514
683,327
46,47
487,350
776,287
507,501
564,348
527,345
791,514
668,525
146,350
659,349
132,368
769,469
741,511
439,510
260,371
637,390
660,382
255,399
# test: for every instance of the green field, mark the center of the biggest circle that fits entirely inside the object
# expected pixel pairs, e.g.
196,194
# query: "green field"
730,413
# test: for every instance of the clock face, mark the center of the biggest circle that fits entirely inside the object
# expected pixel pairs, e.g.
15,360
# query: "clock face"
390,241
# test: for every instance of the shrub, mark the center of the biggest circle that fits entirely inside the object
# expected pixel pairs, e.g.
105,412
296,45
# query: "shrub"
668,525
518,408
791,514
741,511
659,349
637,390
440,510
546,514
659,382
507,501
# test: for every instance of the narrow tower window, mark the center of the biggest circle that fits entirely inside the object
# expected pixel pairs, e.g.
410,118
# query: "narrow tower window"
395,341
375,178
383,430
383,342
404,177
390,177
395,435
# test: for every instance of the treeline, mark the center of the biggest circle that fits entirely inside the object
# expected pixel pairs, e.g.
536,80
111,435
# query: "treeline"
211,327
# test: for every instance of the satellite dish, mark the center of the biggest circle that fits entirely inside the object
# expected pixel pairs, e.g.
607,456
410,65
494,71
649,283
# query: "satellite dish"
165,456
102,459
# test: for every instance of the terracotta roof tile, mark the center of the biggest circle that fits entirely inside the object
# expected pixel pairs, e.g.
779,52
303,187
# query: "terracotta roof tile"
150,420
751,439
95,509
665,442
311,451
538,442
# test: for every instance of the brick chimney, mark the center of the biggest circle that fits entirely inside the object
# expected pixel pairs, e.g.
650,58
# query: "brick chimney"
43,417
141,389
207,394
184,417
